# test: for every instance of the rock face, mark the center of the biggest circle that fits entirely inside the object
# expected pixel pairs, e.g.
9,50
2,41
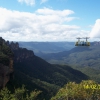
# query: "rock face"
7,57
6,63
22,54
5,74
13,45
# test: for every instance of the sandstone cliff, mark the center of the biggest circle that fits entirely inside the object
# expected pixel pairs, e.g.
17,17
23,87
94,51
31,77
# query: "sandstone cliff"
6,63
7,59
20,54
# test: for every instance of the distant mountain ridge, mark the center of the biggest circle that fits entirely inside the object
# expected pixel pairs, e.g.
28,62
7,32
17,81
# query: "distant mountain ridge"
64,53
47,47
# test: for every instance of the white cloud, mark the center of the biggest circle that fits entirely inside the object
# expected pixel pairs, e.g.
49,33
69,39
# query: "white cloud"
28,2
47,11
43,25
95,32
43,1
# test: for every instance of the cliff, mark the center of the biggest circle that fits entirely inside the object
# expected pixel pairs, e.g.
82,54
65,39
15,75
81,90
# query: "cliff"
20,54
7,59
6,63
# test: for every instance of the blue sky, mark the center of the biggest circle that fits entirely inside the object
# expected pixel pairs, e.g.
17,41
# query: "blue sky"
49,20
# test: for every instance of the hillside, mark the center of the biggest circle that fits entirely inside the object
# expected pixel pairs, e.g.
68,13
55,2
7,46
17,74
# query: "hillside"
85,59
81,56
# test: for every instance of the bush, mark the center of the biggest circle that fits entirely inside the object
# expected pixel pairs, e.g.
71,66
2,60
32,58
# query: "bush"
86,90
19,94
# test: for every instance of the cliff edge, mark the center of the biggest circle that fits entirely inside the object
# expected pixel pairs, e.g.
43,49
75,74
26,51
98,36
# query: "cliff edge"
6,63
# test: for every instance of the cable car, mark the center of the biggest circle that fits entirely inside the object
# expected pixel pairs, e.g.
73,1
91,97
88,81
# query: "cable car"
82,43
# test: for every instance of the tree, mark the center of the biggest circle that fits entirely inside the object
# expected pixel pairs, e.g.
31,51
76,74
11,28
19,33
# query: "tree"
19,94
86,90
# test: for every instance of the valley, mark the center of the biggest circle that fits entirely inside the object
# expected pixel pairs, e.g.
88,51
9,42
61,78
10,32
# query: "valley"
85,59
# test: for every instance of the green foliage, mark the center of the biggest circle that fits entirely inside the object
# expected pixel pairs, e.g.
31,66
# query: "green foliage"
94,74
6,50
33,95
4,59
5,54
86,90
5,94
19,94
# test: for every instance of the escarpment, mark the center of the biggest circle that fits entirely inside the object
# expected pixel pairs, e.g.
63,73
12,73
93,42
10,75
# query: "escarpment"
6,63
10,52
20,54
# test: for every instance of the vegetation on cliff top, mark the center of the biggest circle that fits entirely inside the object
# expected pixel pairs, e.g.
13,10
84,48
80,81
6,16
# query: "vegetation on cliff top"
5,52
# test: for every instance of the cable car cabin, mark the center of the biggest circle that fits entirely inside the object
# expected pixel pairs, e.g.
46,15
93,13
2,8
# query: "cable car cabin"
82,43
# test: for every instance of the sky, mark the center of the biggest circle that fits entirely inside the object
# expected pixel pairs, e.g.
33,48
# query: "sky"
49,20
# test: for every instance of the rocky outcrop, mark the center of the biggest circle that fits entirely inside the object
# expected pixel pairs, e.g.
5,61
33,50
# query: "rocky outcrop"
22,54
7,58
14,46
6,63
